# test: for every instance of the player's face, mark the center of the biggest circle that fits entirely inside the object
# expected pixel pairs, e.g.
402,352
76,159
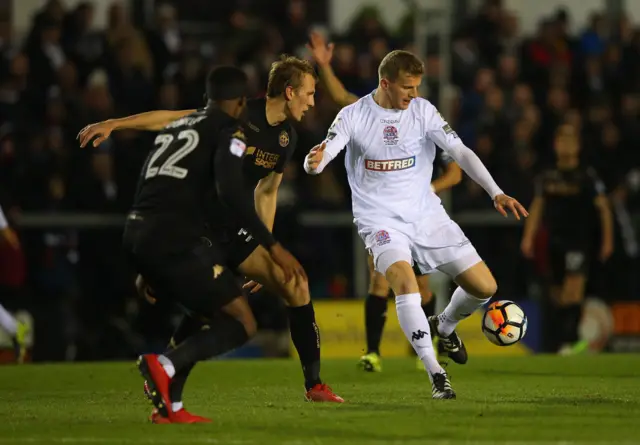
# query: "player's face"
566,143
402,91
301,98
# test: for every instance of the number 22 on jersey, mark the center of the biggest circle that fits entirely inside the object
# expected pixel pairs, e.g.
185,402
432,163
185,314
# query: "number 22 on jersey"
169,167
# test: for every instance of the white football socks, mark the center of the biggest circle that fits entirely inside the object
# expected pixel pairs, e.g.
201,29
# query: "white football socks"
416,328
176,406
7,322
461,306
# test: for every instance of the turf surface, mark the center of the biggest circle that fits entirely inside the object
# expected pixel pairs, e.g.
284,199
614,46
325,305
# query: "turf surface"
523,400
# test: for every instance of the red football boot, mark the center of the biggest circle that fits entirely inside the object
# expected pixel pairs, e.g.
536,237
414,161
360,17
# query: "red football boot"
157,382
181,416
158,418
322,393
184,416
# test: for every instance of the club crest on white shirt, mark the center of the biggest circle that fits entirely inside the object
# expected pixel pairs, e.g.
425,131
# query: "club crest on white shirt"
390,135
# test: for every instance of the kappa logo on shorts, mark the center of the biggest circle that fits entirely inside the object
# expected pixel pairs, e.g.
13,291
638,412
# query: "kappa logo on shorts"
217,270
390,135
389,165
382,238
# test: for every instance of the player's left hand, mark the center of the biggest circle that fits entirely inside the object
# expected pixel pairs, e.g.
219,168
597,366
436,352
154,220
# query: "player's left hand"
503,202
606,250
100,131
253,286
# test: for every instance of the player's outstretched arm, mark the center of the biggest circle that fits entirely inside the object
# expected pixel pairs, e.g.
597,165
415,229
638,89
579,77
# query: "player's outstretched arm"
230,187
337,138
149,121
440,132
451,177
323,53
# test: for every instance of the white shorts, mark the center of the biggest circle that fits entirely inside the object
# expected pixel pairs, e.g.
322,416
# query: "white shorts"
444,247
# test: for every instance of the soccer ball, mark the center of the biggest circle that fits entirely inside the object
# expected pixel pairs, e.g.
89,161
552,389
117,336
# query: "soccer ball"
504,323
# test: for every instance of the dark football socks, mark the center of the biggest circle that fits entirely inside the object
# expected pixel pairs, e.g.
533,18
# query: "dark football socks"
224,335
306,339
187,327
375,315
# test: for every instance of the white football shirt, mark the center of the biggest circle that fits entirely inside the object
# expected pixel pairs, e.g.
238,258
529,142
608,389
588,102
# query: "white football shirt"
389,158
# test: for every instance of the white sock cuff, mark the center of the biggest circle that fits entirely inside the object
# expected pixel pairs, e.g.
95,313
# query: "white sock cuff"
409,300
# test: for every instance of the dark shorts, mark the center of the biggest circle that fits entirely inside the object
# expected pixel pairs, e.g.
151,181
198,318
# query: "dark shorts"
196,278
567,259
237,243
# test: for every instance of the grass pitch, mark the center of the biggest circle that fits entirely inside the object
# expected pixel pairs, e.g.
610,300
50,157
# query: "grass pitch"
523,400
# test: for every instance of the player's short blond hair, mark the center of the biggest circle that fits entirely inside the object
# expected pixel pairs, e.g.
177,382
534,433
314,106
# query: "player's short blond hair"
287,72
400,61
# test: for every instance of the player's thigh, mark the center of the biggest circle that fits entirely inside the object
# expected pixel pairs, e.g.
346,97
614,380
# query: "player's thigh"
259,266
450,251
477,280
378,284
391,251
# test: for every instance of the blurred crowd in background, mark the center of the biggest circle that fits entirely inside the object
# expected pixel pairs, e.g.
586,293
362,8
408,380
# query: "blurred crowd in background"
513,91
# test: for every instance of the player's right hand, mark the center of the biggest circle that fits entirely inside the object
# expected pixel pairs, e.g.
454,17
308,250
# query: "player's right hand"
289,264
100,131
314,158
527,248
321,51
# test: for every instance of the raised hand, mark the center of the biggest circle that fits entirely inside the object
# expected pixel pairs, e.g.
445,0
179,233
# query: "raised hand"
321,51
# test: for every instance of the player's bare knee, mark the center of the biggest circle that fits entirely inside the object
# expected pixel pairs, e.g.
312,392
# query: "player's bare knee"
401,278
296,292
485,289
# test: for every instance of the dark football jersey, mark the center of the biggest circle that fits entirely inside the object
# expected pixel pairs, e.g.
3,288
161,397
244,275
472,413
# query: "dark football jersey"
197,159
569,195
269,146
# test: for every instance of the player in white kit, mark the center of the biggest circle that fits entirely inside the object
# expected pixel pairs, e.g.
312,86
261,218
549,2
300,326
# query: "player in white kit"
391,136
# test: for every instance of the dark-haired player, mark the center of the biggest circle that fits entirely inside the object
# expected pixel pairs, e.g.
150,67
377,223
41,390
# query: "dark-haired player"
271,141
